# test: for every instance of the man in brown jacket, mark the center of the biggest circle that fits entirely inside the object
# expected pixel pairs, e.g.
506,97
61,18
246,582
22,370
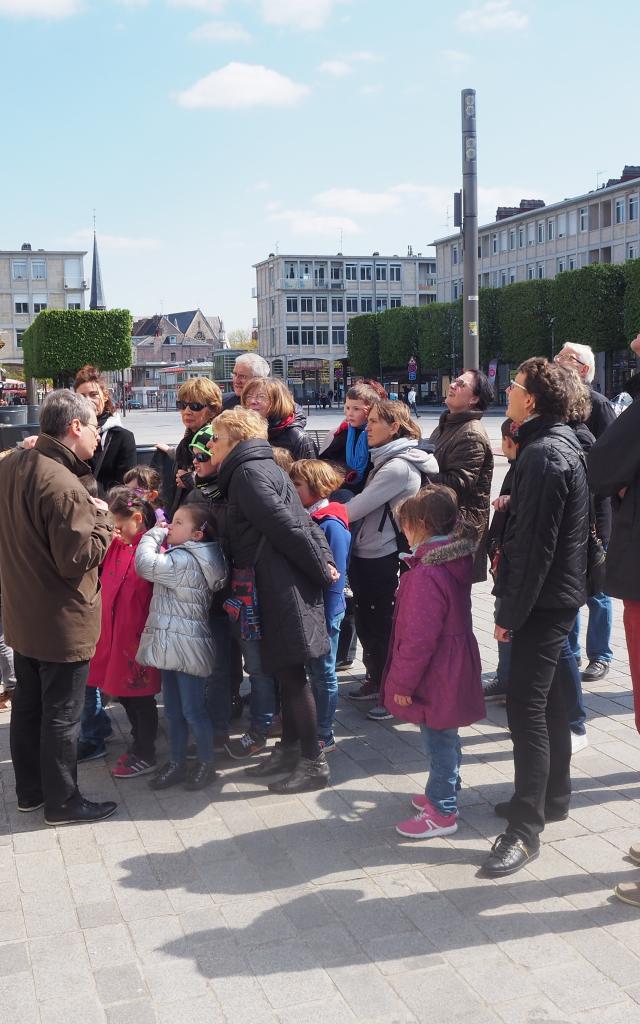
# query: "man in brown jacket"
464,455
53,536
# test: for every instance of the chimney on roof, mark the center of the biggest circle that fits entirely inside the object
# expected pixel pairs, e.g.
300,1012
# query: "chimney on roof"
25,247
506,211
629,172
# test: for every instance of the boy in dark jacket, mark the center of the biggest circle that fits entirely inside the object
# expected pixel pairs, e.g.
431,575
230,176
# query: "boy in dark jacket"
315,481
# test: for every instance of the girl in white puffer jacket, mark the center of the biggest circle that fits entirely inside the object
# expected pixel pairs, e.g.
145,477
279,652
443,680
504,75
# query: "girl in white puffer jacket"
177,637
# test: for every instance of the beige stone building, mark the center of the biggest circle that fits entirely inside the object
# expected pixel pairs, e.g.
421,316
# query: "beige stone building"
32,280
305,304
535,241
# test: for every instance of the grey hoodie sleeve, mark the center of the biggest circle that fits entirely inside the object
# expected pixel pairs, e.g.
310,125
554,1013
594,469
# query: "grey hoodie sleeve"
383,486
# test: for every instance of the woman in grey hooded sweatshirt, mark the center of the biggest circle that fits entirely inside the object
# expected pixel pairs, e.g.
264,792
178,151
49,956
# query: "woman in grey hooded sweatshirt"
400,469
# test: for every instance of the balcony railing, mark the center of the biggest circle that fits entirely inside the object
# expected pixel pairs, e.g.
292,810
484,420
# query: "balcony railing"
306,283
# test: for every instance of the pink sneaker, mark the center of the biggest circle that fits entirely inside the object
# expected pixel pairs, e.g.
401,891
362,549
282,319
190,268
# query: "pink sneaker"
428,823
420,802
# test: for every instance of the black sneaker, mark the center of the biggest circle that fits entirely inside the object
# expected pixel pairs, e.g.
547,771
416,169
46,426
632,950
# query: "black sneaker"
281,761
78,811
508,855
595,670
26,806
169,775
246,746
202,775
493,691
306,776
90,751
502,810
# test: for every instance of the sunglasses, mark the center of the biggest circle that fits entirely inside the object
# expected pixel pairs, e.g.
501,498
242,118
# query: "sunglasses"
194,406
201,456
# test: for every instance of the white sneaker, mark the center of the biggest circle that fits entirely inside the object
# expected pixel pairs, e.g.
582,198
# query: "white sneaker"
578,742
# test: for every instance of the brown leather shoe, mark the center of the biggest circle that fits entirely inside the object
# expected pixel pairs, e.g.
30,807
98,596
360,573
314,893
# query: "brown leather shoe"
628,892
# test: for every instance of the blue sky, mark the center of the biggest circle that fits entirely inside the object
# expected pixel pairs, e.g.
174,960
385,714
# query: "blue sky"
207,133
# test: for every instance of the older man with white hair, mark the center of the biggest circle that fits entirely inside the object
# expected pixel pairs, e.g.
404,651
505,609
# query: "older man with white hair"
247,366
599,654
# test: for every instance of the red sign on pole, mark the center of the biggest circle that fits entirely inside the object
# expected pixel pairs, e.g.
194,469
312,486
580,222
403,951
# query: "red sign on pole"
412,365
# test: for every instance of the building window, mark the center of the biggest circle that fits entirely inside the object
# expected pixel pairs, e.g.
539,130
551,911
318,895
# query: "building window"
173,357
306,335
381,305
365,273
494,244
573,221
503,278
620,211
366,305
290,271
19,338
394,272
21,303
337,335
454,290
173,340
336,273
583,217
38,270
395,303
306,270
512,238
551,230
531,233
381,272
633,207
561,265
531,272
454,255
540,271
73,304
321,305
562,225
292,305
322,335
540,235
350,272
512,275
19,270
572,262
293,336
503,241
632,252
352,303
306,304
337,305
39,303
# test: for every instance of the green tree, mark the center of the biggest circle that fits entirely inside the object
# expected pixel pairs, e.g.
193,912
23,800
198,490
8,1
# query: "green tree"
440,327
526,312
363,345
631,298
60,341
589,306
398,331
490,324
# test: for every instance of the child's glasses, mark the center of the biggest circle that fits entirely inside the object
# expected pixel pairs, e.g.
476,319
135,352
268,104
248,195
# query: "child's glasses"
201,456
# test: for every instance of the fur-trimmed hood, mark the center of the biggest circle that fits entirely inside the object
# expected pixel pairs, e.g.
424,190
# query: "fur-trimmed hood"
457,545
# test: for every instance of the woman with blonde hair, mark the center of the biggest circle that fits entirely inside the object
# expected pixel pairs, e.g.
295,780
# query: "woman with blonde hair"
272,400
199,401
281,563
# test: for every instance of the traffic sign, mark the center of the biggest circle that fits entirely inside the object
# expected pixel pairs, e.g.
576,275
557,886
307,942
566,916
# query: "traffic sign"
411,375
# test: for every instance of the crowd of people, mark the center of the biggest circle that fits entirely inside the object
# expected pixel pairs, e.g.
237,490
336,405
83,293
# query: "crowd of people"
244,548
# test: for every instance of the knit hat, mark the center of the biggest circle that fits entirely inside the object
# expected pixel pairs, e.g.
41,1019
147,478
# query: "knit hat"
199,440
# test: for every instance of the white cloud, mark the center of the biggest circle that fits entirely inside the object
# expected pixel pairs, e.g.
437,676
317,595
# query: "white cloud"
436,198
221,32
297,14
493,16
302,222
337,68
365,55
237,86
352,200
40,8
210,6
456,60
115,243
260,186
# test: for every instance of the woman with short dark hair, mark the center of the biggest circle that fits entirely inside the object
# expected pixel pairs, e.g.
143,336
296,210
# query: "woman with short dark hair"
116,452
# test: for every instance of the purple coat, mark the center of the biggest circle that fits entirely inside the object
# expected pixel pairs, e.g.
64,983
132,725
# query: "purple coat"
433,654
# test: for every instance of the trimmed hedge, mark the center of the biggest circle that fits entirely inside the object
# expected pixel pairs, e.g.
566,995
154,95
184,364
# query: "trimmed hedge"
363,345
631,299
60,341
589,306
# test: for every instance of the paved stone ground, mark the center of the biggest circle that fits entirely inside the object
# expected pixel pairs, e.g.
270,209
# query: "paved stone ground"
242,906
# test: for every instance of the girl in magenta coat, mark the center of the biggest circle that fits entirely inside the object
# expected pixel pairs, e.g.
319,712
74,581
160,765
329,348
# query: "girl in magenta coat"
432,675
125,608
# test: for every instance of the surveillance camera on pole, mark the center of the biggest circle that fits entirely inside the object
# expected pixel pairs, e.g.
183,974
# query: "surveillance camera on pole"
470,304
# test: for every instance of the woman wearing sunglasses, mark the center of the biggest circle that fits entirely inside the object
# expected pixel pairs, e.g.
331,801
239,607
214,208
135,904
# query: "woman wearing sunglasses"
199,401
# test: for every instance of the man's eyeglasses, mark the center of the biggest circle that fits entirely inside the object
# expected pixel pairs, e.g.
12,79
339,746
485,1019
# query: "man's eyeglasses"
515,384
194,406
568,357
201,456
94,427
241,376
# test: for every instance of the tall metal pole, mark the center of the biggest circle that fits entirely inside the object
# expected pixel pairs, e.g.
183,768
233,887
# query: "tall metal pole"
470,318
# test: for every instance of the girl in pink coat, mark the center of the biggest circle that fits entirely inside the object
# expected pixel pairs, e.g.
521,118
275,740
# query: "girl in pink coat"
432,675
125,608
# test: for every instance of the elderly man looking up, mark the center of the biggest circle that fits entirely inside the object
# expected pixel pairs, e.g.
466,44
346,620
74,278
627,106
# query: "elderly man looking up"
53,536
599,654
248,366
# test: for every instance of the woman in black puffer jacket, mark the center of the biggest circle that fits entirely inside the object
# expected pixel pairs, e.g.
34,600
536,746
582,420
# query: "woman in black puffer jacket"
270,533
116,451
272,400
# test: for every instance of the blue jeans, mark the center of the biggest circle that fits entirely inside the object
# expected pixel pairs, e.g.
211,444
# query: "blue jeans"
262,707
598,630
324,682
219,682
95,724
185,707
444,753
571,686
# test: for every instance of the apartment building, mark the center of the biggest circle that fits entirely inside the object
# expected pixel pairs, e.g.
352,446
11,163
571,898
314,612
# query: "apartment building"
305,304
535,241
165,341
32,280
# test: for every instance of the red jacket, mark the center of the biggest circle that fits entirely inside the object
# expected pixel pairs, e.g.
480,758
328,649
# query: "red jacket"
125,607
433,654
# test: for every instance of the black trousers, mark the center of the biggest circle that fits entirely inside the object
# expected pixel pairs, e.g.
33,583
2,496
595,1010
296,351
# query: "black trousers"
45,724
539,723
374,582
298,709
348,637
142,713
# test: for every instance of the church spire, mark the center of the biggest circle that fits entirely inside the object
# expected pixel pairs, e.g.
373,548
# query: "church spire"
97,295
